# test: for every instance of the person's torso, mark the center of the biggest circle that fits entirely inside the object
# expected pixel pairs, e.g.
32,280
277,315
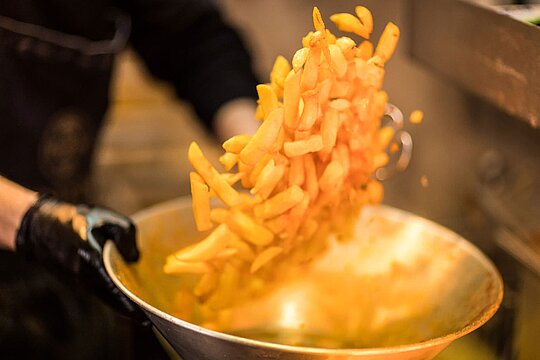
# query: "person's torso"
56,58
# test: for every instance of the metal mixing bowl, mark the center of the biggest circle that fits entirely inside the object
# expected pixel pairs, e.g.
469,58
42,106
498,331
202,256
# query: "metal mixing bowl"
404,288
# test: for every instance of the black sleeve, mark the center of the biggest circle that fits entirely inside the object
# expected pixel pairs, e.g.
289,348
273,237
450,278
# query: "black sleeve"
188,43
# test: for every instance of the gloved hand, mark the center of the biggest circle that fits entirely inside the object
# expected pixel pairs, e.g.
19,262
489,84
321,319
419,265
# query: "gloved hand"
71,237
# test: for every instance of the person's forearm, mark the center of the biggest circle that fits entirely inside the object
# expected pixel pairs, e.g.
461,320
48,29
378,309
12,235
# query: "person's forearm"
14,202
189,44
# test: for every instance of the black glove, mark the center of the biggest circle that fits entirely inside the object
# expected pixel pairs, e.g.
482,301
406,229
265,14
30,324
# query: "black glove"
68,237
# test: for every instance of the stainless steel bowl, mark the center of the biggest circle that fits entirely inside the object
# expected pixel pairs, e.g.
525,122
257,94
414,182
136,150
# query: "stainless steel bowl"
404,288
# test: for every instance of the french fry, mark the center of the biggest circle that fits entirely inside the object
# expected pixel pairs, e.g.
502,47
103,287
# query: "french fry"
242,225
296,171
332,177
246,170
340,89
279,71
365,18
225,254
299,58
318,23
306,40
329,130
330,38
223,297
309,227
175,266
311,182
365,51
295,217
207,283
244,250
350,75
344,157
338,60
380,100
259,115
236,143
386,134
291,98
310,112
350,23
268,180
248,229
257,168
388,42
345,43
277,224
340,104
380,160
211,176
264,257
416,117
205,249
301,134
375,192
228,160
248,202
311,68
324,92
301,147
232,178
219,215
263,139
278,144
267,99
279,203
200,202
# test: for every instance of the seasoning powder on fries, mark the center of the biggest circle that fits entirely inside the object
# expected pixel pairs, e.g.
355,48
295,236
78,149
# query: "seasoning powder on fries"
307,171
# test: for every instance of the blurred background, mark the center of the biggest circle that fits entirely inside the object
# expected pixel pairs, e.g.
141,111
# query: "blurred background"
474,71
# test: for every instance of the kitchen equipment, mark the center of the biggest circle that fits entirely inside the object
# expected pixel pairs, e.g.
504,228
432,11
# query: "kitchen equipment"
404,288
508,195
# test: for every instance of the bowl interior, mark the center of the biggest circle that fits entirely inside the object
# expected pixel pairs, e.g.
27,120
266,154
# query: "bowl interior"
402,280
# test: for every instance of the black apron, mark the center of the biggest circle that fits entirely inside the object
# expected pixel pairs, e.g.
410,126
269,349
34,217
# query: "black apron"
54,92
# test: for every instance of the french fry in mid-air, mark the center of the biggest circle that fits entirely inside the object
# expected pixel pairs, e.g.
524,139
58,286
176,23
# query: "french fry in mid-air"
350,23
299,58
388,42
267,99
301,147
291,97
200,202
264,138
236,143
280,203
365,17
173,265
228,160
416,117
268,179
207,248
211,176
277,76
265,257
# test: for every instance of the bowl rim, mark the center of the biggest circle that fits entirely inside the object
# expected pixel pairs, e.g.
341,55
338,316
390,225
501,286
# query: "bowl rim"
395,213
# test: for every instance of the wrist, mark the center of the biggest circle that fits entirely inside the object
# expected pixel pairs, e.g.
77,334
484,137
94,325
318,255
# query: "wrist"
15,201
236,117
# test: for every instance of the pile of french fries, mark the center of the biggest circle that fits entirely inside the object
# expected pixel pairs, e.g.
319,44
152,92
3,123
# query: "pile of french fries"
303,176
